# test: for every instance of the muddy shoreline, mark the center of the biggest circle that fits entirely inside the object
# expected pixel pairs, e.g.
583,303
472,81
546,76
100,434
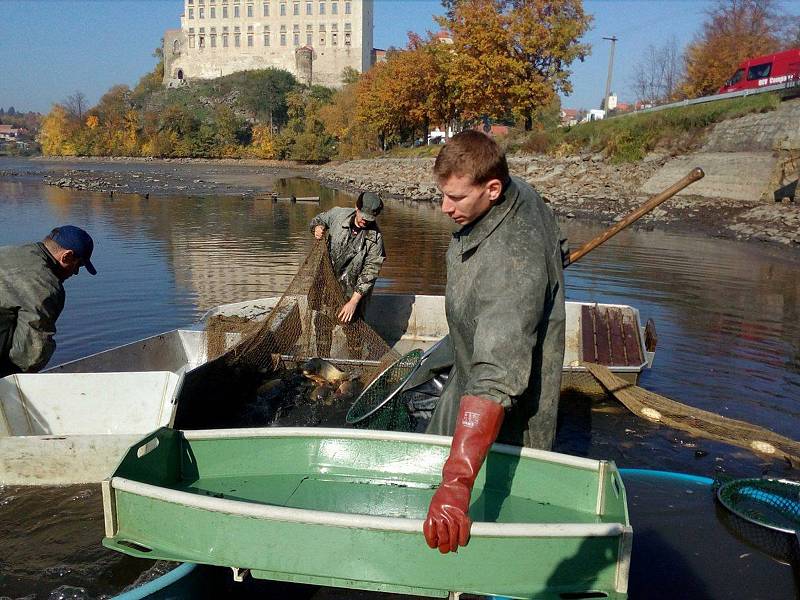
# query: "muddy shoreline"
581,187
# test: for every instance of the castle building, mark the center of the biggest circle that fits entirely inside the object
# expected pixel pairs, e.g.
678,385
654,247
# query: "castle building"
312,39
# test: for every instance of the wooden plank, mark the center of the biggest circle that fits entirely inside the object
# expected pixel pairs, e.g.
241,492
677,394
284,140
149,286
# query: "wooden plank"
630,332
601,336
614,319
588,350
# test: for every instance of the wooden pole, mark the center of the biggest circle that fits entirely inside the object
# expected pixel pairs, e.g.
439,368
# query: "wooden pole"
694,175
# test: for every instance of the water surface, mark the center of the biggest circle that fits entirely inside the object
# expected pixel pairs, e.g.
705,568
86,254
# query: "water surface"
727,315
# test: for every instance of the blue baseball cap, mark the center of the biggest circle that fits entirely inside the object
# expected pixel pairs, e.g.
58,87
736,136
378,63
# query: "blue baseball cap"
76,239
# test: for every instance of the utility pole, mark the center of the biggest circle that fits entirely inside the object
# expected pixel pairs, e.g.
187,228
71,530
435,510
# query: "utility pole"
613,40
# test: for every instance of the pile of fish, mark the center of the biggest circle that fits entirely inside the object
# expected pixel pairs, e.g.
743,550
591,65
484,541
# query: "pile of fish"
315,393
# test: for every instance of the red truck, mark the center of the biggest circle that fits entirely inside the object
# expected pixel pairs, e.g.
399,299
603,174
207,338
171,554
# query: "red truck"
761,71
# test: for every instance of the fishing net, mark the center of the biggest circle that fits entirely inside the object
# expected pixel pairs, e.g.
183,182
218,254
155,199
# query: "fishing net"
303,324
697,422
379,405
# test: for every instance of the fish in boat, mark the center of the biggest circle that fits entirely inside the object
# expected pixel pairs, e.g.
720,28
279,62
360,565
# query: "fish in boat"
322,372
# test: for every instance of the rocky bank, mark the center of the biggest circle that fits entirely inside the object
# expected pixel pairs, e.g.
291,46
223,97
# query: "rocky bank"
586,186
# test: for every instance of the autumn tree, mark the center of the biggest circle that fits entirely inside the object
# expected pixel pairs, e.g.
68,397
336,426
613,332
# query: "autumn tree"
513,56
734,30
57,132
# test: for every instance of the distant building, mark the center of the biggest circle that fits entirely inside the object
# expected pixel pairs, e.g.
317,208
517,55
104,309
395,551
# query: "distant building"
445,37
313,39
9,133
378,55
569,117
594,114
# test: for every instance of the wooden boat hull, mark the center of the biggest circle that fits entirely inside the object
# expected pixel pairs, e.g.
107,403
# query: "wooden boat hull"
344,508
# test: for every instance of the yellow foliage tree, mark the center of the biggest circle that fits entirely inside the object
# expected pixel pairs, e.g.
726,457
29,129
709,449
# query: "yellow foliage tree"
92,121
734,31
262,146
57,132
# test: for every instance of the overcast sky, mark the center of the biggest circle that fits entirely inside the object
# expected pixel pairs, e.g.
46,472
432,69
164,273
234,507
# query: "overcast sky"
51,48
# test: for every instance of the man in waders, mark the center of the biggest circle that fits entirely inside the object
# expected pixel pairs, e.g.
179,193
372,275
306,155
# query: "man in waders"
32,295
355,245
505,312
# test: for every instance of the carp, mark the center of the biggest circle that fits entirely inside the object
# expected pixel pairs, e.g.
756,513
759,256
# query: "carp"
321,372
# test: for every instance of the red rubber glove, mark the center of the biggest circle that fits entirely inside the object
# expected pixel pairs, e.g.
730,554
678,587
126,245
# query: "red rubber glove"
448,523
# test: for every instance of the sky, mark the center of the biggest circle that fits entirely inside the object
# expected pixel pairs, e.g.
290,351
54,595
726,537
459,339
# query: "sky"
51,48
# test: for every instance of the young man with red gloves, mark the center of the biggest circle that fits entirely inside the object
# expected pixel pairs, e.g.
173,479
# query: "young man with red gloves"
505,310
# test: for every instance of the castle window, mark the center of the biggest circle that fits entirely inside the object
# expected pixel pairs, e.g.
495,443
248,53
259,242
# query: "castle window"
266,9
334,8
249,10
322,8
309,9
296,9
322,28
347,26
191,41
347,38
266,36
213,13
191,1
176,47
224,12
296,39
309,38
283,9
213,40
334,27
236,11
334,38
224,40
201,40
249,40
237,39
283,39
191,13
347,8
201,12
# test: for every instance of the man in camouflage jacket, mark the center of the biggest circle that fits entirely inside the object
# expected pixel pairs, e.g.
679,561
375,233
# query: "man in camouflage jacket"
355,245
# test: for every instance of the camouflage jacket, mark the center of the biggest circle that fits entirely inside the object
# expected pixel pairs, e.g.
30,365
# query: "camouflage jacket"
506,315
31,299
356,259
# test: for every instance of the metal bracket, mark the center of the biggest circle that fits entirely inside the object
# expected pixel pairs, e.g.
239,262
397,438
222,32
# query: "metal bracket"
240,574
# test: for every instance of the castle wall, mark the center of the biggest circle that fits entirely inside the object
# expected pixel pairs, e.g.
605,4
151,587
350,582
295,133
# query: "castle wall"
220,37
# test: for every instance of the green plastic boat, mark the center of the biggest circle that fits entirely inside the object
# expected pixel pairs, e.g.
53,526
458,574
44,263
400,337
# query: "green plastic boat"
345,508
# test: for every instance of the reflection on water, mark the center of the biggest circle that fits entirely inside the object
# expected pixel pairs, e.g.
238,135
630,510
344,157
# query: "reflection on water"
727,314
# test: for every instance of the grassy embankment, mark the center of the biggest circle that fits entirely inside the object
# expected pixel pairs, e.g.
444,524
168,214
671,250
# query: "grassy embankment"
627,138
631,138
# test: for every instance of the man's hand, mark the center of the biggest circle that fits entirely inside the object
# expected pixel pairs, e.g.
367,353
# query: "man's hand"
348,310
319,231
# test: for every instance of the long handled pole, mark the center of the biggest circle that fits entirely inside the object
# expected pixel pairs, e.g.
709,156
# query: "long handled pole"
694,175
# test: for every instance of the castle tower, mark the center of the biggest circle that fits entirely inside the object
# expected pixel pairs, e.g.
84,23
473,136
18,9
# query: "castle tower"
220,37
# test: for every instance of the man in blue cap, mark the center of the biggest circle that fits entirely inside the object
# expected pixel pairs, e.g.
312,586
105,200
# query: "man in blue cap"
32,295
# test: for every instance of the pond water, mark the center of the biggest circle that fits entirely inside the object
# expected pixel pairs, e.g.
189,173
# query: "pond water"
727,315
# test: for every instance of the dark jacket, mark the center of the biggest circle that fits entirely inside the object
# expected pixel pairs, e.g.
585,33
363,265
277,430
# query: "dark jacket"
31,299
356,259
506,315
